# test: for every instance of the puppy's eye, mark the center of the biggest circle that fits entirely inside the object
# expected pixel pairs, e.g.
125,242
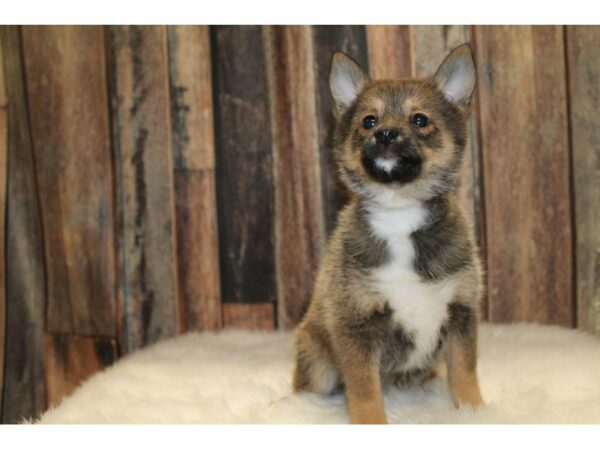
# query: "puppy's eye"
420,120
369,121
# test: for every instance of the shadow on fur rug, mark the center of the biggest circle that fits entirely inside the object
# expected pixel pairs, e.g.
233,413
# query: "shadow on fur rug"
528,374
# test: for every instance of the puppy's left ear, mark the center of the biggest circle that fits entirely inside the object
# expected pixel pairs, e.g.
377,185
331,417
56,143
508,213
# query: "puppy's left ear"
456,76
346,81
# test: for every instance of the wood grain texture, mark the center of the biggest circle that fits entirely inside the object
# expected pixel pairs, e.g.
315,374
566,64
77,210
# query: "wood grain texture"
584,94
191,97
23,390
327,40
525,161
194,161
299,225
390,51
70,135
3,182
144,161
71,359
198,250
257,316
244,166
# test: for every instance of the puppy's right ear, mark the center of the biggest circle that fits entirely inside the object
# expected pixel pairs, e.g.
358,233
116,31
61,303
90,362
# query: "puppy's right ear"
346,81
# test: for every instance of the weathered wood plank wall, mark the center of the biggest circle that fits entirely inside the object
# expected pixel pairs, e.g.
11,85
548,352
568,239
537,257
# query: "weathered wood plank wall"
165,179
525,150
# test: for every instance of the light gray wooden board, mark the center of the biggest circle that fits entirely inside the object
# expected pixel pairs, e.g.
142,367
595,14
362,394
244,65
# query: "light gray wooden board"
144,172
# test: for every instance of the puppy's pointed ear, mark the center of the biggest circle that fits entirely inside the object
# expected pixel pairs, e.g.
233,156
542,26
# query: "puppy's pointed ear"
346,81
456,76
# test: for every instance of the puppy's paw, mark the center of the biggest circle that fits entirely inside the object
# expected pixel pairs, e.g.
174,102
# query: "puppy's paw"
467,396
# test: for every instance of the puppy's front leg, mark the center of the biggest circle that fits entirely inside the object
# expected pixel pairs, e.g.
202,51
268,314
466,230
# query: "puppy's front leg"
461,356
359,368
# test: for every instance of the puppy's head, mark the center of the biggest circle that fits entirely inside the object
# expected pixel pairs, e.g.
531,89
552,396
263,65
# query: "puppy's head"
401,139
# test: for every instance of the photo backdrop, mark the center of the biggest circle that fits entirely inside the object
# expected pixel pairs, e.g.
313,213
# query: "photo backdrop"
157,180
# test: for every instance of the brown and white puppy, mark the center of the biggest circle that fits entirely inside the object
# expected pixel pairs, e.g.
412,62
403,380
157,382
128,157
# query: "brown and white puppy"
399,285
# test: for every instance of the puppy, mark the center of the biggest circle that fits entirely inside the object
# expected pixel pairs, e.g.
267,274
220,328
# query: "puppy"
400,282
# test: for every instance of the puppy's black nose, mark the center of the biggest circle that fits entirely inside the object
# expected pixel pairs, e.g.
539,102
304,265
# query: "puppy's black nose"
386,137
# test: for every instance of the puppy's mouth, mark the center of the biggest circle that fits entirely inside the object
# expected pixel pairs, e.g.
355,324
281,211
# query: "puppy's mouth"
395,163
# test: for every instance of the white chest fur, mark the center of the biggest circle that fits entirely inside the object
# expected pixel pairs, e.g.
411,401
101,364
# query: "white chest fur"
419,307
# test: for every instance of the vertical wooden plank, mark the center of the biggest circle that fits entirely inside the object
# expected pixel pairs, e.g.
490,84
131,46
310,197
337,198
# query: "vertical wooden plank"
297,177
66,87
244,168
3,182
23,393
525,161
144,161
390,51
584,95
198,250
194,161
326,41
256,316
191,97
71,359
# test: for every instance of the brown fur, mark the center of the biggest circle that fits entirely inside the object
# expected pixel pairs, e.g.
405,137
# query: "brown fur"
349,338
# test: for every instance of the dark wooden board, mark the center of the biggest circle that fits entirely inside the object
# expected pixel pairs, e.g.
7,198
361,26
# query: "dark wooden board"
23,390
525,151
244,166
299,225
249,316
390,51
144,172
190,83
584,95
66,86
71,359
3,182
198,249
326,41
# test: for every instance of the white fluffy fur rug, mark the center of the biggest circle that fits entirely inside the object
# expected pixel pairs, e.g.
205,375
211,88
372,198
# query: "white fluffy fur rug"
528,373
